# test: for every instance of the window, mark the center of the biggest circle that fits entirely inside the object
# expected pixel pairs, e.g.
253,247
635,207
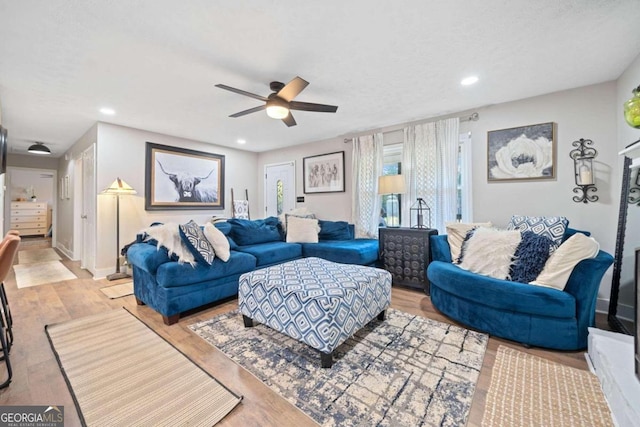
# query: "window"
391,208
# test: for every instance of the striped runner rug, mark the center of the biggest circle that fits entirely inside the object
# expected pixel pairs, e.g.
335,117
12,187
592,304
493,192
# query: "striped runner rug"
527,390
120,372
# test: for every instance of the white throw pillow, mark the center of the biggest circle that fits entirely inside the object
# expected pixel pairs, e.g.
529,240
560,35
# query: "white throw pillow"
302,230
490,251
218,240
560,264
456,232
299,212
168,236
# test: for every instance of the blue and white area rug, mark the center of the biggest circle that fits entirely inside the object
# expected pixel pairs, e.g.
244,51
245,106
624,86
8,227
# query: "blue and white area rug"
404,371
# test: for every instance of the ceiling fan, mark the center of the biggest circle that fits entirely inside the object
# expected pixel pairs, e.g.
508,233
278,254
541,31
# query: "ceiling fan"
279,103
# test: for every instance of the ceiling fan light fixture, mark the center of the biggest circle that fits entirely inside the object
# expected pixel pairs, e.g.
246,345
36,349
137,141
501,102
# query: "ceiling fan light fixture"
276,109
39,148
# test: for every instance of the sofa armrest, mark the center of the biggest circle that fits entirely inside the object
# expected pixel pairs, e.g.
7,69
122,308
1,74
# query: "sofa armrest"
583,284
147,257
439,248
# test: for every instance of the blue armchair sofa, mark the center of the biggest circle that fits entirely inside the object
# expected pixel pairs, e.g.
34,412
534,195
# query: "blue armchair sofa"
171,288
529,314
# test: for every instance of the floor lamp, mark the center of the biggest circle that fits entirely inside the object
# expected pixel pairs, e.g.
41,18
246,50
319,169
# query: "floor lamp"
392,184
118,188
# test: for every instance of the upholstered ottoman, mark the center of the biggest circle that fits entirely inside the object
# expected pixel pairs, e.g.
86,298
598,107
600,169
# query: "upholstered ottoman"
318,302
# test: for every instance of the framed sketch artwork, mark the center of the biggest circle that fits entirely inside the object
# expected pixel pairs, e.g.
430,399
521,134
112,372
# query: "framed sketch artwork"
178,178
323,173
522,153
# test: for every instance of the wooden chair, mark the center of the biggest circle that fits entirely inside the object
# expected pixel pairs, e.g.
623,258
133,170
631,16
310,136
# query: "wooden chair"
8,251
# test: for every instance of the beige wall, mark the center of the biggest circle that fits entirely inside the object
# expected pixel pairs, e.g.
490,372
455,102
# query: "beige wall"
121,153
329,206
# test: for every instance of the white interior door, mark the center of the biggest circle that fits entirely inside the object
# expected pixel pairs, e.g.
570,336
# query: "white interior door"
279,188
88,215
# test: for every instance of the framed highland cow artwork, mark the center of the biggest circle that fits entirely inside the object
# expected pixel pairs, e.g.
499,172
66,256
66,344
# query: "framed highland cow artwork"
522,153
179,178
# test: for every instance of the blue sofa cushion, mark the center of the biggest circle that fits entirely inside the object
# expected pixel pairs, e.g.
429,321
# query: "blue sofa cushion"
173,274
193,237
225,227
273,252
531,255
251,232
334,230
354,251
501,294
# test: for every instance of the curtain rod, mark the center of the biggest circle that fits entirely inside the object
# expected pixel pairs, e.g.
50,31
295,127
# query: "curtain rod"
473,117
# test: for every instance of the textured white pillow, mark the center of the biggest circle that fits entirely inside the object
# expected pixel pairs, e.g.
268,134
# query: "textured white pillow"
456,232
218,240
490,252
168,236
560,264
302,230
299,212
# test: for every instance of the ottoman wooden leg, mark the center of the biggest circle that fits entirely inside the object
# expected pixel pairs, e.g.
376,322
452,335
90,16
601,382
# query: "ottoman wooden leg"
248,322
326,359
382,315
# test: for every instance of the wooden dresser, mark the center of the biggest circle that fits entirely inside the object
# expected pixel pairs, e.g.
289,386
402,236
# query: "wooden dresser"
29,218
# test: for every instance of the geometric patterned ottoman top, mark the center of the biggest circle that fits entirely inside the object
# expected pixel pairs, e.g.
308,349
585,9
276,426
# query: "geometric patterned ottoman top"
318,302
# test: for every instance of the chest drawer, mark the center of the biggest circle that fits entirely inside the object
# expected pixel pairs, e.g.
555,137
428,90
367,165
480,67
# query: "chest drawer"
28,206
23,219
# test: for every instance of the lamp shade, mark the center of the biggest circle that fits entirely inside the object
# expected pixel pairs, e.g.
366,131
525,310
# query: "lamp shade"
39,148
391,184
119,187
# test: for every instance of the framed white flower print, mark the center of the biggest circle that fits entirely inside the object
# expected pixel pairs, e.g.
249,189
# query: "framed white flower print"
522,153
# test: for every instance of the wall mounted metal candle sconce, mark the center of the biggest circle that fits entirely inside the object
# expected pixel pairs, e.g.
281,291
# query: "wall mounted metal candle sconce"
634,191
583,156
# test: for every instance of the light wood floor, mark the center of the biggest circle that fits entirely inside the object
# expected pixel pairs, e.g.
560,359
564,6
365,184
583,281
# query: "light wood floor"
37,379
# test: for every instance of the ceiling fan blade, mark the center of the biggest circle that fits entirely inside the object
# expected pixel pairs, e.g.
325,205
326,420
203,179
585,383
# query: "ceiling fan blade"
249,111
292,89
289,120
241,92
308,106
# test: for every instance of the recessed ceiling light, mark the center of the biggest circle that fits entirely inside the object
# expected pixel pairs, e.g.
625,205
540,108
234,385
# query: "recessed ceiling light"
469,80
108,111
241,141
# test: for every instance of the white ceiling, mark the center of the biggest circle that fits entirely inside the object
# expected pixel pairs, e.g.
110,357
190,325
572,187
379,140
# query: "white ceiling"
382,62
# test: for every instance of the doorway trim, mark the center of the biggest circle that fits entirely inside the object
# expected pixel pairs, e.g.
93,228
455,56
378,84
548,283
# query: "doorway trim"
291,163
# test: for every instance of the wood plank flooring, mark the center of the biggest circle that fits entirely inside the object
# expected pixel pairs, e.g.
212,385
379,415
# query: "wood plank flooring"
37,379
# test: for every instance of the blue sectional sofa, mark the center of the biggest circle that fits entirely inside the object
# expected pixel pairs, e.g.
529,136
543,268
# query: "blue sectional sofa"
529,314
171,288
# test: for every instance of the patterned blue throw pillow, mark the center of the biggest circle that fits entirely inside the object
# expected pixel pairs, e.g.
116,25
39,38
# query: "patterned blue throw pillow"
553,227
193,237
530,257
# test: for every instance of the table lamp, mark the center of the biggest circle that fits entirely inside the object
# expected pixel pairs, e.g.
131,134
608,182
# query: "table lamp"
392,184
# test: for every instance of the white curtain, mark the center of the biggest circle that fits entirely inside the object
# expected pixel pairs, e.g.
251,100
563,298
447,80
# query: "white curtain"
430,168
367,167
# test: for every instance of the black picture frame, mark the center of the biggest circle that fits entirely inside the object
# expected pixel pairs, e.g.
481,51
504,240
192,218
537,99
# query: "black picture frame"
509,153
3,150
323,173
179,178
